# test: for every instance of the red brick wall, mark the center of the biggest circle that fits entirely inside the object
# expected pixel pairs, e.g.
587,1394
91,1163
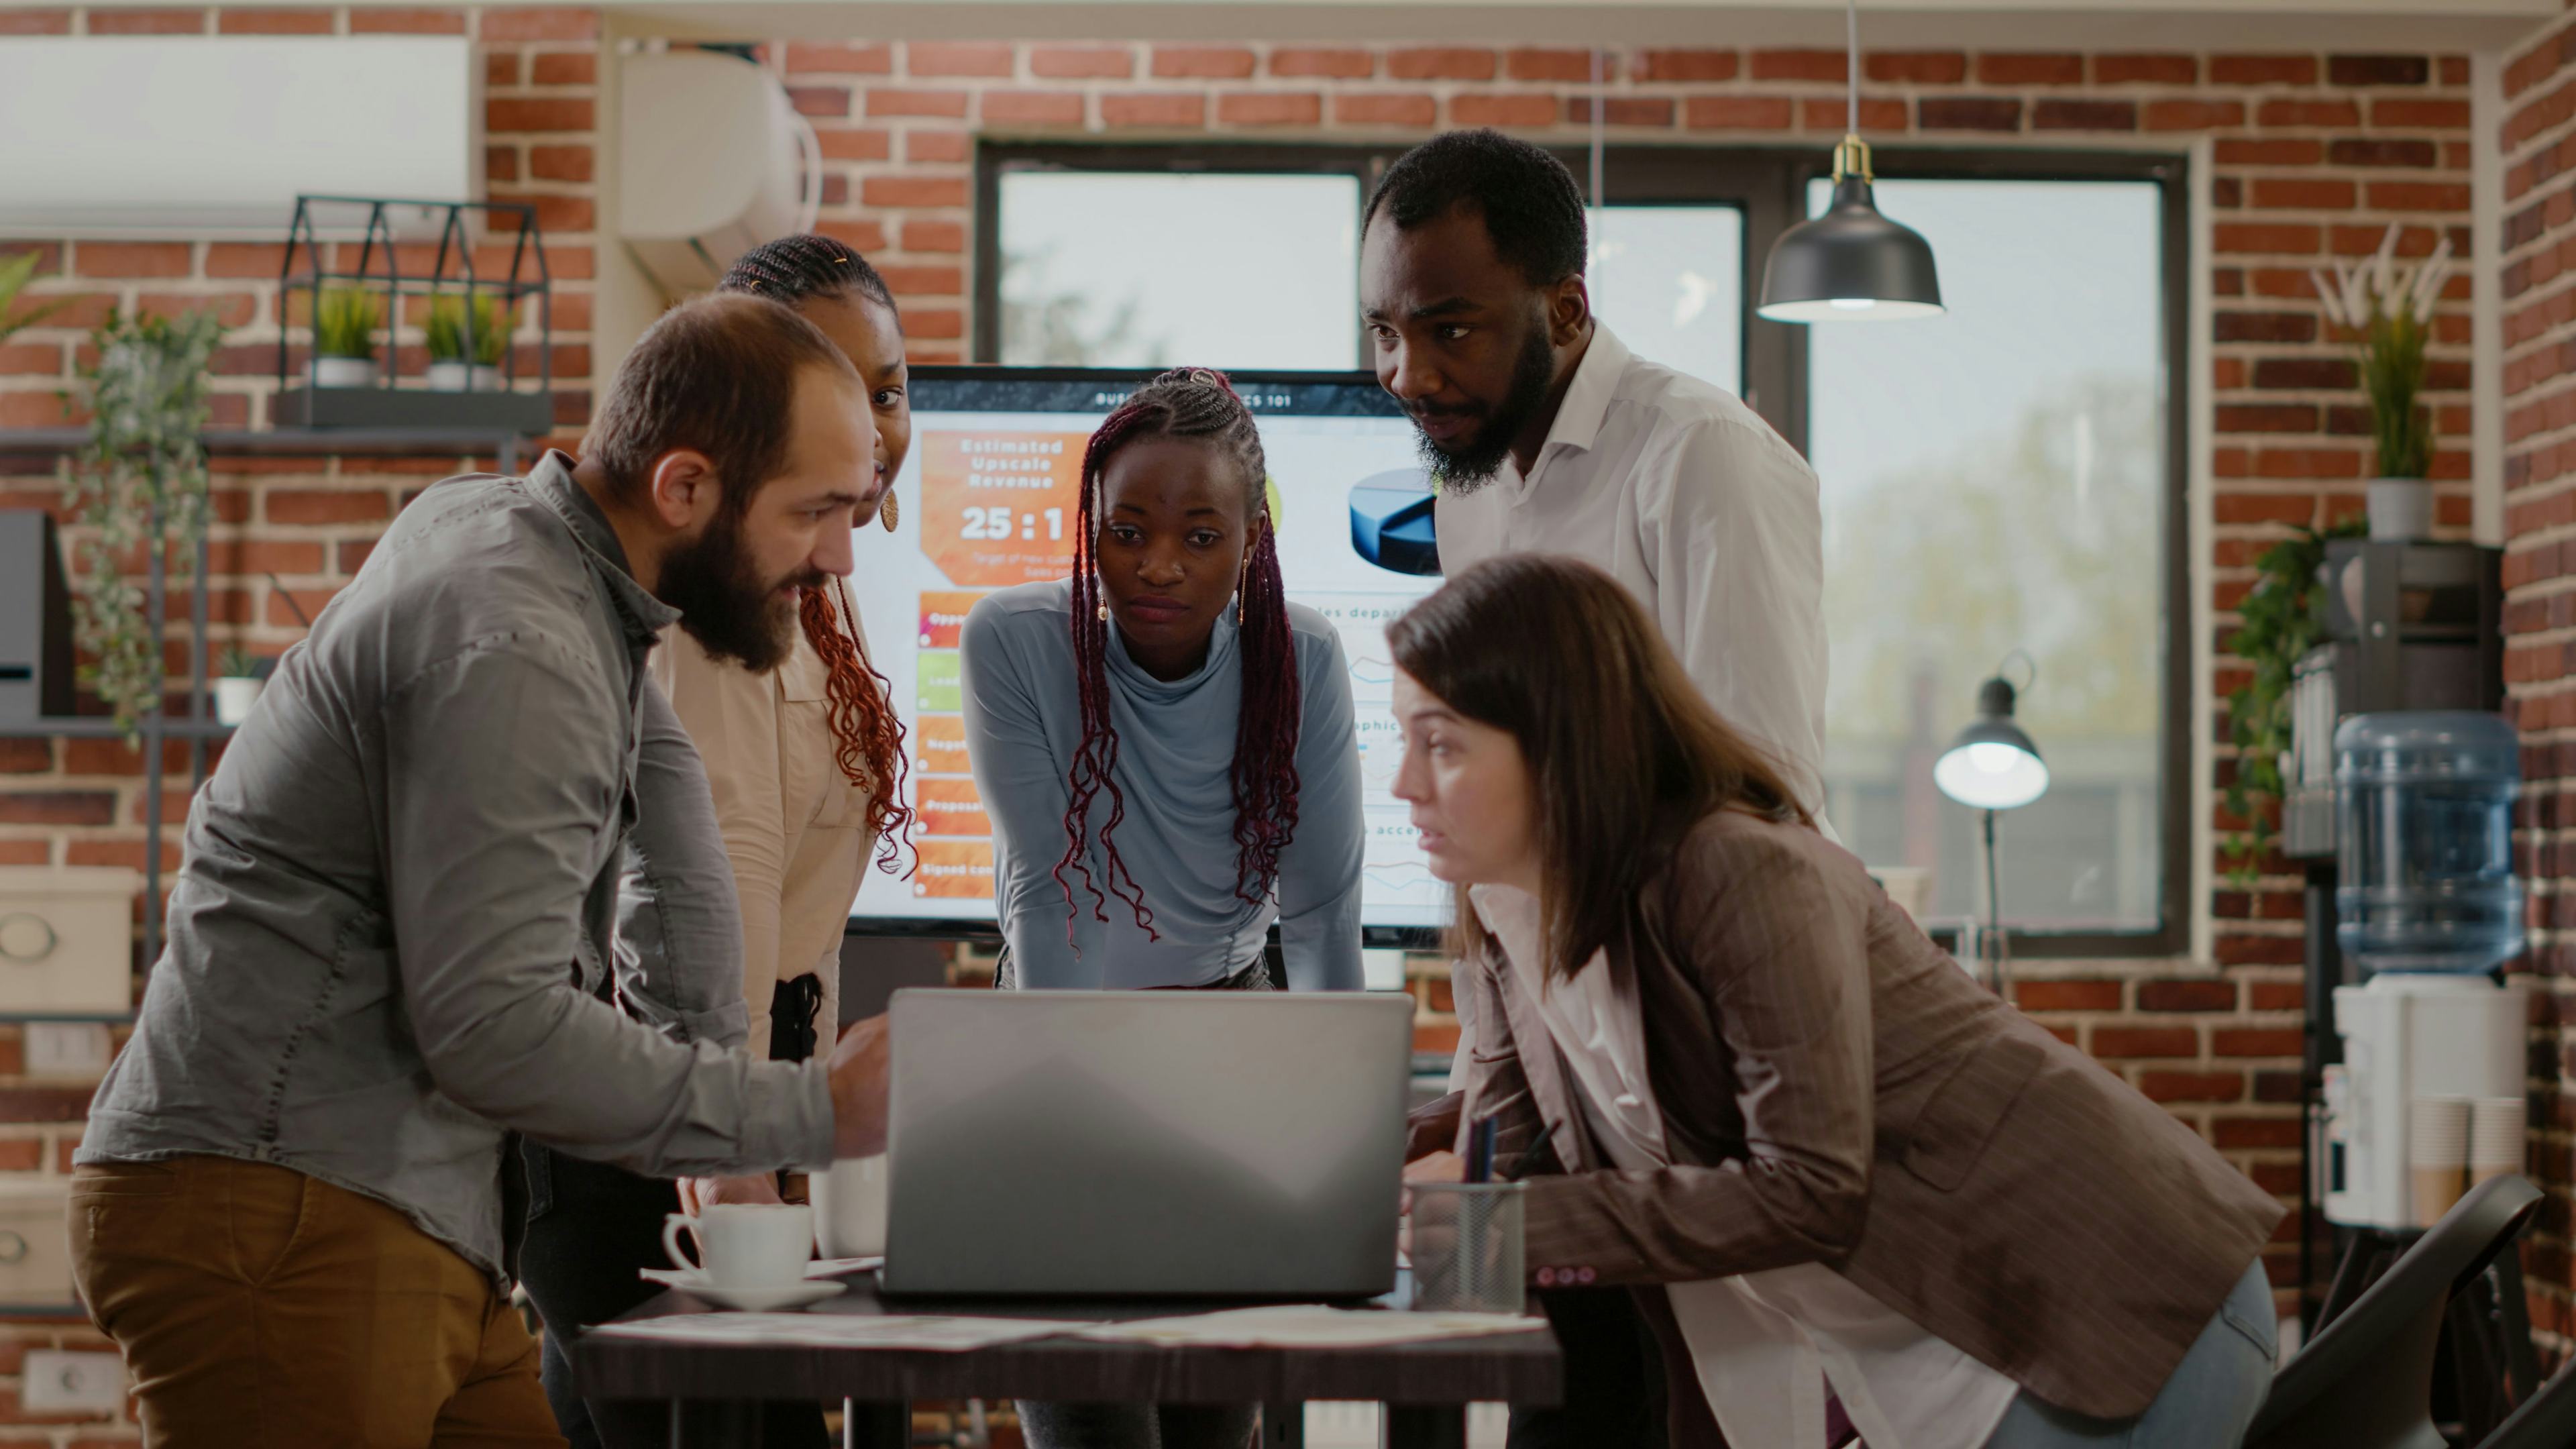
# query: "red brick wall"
2313,155
2537,292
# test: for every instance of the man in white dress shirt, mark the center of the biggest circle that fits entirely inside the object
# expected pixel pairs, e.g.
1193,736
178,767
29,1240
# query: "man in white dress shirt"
1544,434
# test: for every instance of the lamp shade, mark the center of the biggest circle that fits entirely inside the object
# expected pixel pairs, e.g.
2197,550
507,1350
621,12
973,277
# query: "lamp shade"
1850,265
1992,765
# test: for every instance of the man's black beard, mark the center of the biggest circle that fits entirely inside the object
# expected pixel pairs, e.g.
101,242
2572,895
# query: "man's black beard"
1473,464
724,605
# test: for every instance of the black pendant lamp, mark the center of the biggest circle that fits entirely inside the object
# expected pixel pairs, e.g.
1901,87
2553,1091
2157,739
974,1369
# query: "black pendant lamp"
1850,264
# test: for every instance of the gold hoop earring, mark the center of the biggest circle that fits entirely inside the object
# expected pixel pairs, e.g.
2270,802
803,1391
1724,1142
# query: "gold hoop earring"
1104,613
889,512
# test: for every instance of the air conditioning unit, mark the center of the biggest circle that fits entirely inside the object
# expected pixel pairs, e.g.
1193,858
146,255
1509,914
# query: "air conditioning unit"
713,161
213,137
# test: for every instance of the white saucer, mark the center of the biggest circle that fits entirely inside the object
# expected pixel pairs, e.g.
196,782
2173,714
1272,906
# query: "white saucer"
748,1300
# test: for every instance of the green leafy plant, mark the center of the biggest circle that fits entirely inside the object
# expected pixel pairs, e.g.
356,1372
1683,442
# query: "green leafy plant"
235,662
2281,619
451,335
140,484
2388,309
344,323
15,273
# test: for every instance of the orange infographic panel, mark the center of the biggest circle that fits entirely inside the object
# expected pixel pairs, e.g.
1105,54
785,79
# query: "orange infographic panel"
998,507
940,740
949,805
959,869
943,614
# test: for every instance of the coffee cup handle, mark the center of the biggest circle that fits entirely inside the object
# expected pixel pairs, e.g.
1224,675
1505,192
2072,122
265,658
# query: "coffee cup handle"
672,1227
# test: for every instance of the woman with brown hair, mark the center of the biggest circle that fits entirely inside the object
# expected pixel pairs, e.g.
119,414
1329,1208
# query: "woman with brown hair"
804,760
1819,1153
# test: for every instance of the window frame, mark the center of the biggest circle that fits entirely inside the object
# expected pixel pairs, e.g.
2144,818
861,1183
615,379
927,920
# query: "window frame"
1769,185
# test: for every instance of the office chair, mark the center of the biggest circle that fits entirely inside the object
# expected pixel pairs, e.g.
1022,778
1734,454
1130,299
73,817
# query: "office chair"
2546,1420
2366,1380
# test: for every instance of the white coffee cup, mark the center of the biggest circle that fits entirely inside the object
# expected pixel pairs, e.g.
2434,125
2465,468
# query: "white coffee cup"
745,1245
850,1207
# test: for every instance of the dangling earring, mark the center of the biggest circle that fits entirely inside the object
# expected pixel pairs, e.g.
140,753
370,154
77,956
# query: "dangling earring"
889,511
1104,611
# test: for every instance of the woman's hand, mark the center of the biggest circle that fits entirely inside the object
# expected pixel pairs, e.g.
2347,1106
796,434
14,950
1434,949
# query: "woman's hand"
700,1193
1436,1167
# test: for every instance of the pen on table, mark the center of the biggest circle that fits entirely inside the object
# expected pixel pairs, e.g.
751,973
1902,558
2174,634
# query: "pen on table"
1480,1149
1529,1154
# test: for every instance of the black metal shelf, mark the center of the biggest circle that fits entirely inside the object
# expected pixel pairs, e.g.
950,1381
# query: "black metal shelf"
46,1312
298,442
197,726
100,727
66,1018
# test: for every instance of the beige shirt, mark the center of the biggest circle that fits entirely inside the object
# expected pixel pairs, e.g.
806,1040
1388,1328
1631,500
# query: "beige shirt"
794,825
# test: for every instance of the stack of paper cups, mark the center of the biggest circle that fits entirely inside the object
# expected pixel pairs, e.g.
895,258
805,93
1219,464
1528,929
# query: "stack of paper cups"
2495,1137
2437,1152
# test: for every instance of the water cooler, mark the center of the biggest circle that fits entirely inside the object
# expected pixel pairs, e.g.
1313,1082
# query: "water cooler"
2426,907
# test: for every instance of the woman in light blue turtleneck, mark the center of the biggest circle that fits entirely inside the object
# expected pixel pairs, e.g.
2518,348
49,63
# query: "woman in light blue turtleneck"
1163,741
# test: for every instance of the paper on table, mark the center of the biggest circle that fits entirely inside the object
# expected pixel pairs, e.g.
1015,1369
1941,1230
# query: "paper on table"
839,1330
1308,1326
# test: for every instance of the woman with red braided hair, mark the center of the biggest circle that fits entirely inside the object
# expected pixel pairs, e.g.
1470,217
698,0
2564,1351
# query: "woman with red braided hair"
804,759
1165,728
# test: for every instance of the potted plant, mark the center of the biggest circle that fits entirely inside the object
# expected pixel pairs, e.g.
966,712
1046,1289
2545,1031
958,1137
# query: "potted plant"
467,342
344,338
2282,617
139,488
237,684
2388,310
15,273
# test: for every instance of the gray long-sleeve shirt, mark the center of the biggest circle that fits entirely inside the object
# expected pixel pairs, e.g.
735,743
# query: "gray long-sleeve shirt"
1175,766
401,885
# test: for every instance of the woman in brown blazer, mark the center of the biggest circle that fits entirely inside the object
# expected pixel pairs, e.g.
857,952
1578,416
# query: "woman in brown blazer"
1824,1157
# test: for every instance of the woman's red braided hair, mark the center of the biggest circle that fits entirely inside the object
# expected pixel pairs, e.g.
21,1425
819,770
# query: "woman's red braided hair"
1192,403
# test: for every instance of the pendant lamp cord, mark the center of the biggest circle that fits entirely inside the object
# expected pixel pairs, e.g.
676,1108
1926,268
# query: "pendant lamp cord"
1600,103
1851,67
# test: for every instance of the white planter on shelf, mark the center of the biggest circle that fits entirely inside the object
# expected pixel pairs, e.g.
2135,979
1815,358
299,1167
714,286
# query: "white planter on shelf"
344,372
460,377
2401,510
234,695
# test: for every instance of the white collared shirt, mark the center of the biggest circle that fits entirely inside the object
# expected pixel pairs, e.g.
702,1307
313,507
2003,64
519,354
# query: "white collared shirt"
1763,1345
1708,516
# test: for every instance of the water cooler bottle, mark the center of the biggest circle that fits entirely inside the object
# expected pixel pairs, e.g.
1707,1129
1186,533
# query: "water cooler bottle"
2431,1086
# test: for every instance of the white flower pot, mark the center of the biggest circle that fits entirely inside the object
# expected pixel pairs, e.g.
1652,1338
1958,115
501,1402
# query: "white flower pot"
2401,509
234,695
344,372
459,377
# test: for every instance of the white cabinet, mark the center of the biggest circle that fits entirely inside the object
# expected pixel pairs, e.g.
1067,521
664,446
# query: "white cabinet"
67,939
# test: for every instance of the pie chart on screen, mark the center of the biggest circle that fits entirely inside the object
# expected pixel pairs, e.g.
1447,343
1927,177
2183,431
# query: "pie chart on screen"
1391,522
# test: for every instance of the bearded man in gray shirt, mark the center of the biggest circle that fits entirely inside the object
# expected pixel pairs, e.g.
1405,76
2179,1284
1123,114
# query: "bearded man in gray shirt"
393,944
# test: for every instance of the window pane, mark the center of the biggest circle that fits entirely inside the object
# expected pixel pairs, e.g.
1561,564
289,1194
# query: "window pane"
1670,281
1149,269
1995,479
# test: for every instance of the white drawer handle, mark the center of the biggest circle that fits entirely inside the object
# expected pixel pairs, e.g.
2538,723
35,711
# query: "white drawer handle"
13,1248
13,931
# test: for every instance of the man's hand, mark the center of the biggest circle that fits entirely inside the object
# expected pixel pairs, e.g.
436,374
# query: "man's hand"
699,1193
859,1063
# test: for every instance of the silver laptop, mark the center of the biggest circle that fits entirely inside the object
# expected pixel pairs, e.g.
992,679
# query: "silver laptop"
1152,1143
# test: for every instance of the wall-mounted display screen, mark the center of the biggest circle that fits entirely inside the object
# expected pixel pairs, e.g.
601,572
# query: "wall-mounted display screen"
989,498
